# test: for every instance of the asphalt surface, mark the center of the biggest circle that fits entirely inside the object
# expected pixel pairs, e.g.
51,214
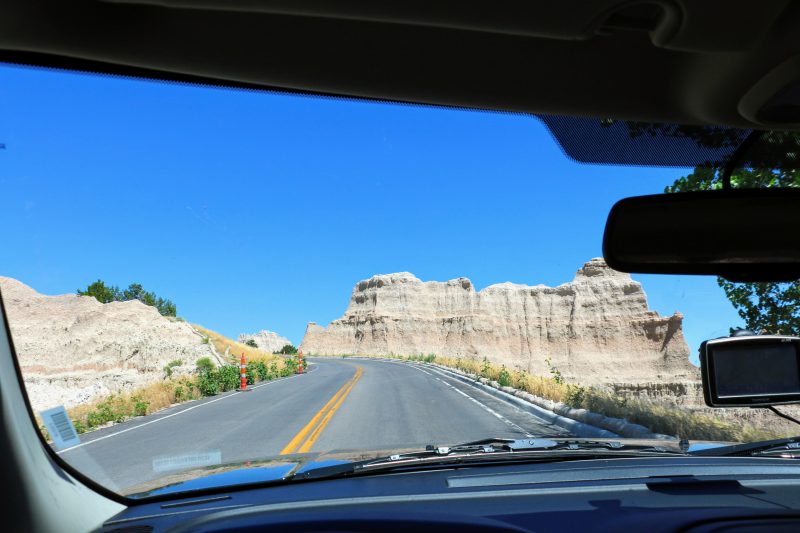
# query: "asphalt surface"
340,404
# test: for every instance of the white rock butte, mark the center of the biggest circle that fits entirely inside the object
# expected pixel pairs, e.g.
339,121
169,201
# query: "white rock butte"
596,329
268,341
72,348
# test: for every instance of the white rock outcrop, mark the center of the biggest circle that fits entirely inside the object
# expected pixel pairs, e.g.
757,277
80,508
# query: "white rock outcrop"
596,329
269,341
71,348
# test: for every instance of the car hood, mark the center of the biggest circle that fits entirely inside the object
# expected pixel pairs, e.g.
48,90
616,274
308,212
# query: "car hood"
270,468
275,468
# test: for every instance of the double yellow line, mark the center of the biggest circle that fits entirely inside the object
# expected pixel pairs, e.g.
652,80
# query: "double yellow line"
305,439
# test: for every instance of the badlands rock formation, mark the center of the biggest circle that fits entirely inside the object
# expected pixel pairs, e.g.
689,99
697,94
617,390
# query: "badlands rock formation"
72,348
597,329
268,341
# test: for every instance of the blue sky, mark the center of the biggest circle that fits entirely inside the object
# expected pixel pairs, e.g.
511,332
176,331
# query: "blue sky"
253,210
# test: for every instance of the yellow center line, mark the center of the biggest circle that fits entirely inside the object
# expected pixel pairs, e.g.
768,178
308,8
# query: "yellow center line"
318,431
296,444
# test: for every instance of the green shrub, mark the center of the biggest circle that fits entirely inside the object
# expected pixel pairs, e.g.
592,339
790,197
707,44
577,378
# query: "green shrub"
504,379
79,427
229,377
575,396
273,370
178,393
261,371
172,364
110,410
251,343
140,406
556,373
289,367
94,419
205,365
250,375
486,368
419,357
207,384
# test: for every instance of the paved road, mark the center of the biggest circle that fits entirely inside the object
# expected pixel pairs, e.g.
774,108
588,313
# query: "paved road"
339,404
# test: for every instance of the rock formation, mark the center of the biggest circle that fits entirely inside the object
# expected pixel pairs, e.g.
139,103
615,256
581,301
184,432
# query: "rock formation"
71,348
268,341
597,329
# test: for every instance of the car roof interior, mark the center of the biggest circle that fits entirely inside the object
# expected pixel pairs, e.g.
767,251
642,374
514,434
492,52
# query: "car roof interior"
676,61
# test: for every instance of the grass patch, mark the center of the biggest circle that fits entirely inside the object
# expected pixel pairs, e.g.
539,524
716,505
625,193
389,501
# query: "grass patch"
142,401
234,348
168,369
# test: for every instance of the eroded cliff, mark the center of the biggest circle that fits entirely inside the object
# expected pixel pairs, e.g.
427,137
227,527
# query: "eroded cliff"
596,329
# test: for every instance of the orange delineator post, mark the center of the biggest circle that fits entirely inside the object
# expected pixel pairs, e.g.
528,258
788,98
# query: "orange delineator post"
244,374
300,362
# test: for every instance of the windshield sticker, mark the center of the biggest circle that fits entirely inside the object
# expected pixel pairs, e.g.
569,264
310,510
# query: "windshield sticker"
165,463
60,427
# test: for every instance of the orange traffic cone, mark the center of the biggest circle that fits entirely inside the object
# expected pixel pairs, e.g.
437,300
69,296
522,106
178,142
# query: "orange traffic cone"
243,367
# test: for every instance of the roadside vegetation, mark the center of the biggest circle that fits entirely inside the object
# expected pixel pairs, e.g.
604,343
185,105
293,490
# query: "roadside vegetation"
658,417
181,383
232,350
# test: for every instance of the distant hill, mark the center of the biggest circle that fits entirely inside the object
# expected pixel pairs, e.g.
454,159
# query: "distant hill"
268,341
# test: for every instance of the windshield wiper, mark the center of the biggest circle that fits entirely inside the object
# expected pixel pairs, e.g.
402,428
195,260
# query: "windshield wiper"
559,442
494,449
787,447
546,443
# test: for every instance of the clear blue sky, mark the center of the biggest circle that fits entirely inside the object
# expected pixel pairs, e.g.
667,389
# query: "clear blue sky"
253,210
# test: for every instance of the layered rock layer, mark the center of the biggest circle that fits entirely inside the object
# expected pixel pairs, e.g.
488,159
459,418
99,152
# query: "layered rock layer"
596,329
72,348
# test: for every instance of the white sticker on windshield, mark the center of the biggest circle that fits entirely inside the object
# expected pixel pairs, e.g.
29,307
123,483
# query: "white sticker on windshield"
187,460
60,427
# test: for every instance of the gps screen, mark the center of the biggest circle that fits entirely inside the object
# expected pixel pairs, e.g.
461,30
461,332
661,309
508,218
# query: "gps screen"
756,369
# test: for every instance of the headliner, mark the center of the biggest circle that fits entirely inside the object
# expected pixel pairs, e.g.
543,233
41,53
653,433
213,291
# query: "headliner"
677,61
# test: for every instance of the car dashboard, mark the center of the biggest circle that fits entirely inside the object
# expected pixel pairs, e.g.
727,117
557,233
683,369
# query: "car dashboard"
697,494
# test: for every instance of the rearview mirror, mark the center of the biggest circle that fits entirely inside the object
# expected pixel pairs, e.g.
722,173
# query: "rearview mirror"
740,234
756,371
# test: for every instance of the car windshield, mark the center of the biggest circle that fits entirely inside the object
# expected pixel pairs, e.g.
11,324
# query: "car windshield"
210,286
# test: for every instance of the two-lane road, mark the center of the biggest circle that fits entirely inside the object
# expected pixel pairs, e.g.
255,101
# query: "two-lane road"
341,404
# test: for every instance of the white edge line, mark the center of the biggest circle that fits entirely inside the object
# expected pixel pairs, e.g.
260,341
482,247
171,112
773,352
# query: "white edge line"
475,400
